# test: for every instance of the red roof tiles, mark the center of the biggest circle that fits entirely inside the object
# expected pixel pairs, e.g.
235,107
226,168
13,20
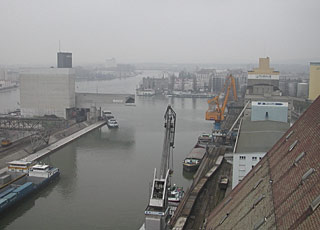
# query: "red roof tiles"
288,179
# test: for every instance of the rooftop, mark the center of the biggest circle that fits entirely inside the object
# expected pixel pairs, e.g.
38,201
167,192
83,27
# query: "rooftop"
282,191
259,136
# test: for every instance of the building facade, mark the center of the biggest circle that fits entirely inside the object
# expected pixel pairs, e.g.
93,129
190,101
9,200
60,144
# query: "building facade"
314,84
47,92
263,80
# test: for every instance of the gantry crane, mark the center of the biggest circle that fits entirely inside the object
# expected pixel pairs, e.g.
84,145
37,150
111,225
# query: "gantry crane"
215,112
156,214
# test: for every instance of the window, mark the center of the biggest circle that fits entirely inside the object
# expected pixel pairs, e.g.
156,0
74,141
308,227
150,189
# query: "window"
254,158
260,158
242,157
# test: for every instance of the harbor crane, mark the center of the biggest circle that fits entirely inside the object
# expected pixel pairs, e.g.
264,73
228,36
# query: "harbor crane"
157,211
215,112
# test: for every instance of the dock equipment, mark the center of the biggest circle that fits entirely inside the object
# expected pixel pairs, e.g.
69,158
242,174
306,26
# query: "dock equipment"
157,211
215,112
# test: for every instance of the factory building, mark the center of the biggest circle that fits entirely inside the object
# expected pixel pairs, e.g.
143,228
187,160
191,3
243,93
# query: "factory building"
263,80
314,83
47,92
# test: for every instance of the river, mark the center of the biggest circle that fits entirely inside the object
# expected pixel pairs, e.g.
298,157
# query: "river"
106,174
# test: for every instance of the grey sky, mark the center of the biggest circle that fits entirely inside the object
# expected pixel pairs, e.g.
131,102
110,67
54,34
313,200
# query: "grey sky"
223,31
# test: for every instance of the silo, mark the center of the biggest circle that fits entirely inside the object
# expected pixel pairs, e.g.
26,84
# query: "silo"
282,87
303,90
292,89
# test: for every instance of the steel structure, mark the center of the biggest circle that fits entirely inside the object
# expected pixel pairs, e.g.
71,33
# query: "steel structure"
30,124
39,128
157,212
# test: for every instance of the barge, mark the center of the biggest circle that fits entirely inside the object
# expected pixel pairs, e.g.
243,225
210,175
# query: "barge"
192,162
22,179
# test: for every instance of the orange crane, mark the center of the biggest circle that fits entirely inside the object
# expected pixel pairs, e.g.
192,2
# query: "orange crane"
215,111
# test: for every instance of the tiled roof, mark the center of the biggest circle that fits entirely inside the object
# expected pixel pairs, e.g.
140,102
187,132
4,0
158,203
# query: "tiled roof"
279,191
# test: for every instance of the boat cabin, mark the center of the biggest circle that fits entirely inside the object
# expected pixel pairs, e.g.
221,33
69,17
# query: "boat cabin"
42,170
19,166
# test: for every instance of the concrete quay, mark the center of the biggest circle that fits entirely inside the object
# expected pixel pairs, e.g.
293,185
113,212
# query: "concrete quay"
58,144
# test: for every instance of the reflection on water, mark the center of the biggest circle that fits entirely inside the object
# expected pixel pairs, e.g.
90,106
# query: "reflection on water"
26,204
188,175
105,175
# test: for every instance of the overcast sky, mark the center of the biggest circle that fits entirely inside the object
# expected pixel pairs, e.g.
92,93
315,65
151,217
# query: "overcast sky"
171,31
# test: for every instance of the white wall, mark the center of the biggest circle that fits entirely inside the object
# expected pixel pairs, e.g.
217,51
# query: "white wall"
242,164
47,91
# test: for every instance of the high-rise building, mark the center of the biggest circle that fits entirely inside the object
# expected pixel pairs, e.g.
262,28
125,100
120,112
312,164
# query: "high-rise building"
64,60
314,84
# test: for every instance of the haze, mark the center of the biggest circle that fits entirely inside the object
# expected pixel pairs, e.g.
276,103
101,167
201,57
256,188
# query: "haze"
176,31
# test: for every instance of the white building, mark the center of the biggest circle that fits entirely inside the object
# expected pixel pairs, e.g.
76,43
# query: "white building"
254,140
269,110
47,91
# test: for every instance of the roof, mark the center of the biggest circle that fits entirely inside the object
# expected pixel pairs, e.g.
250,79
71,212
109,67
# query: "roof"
259,136
282,191
19,163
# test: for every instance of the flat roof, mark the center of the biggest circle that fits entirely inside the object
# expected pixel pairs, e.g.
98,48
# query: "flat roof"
259,136
19,162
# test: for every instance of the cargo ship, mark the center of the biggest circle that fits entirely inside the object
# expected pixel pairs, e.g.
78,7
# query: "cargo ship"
22,179
192,161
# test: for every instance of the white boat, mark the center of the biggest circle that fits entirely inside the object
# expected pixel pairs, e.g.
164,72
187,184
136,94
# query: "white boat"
112,123
175,193
145,92
107,115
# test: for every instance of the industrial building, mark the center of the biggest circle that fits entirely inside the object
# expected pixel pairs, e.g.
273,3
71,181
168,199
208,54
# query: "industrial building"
314,84
303,90
282,190
263,80
255,139
47,92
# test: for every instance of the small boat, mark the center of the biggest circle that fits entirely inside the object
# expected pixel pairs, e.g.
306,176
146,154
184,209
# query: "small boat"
192,162
175,193
205,138
145,92
107,115
112,123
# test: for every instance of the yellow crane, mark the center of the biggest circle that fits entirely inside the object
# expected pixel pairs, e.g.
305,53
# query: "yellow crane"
215,112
